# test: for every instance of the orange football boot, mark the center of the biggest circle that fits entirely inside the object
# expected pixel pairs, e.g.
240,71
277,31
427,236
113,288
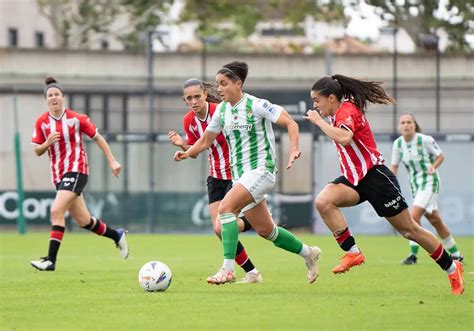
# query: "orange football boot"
456,279
348,261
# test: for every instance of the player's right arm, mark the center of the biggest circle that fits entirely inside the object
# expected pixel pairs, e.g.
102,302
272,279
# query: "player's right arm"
200,145
178,141
395,158
52,138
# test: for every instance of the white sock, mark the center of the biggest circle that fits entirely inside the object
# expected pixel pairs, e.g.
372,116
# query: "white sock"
451,269
354,249
304,251
228,265
253,271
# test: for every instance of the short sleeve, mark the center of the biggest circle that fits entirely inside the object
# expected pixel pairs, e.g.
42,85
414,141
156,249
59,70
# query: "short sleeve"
395,153
345,119
268,110
432,146
87,126
191,137
38,137
215,124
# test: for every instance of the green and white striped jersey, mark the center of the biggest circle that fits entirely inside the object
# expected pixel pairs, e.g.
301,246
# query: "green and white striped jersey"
418,156
248,130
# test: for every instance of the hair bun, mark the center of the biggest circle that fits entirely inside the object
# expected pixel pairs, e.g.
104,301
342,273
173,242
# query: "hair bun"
49,80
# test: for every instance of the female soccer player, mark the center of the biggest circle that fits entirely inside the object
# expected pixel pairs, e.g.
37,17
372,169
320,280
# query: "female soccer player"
59,131
245,122
365,178
421,156
201,99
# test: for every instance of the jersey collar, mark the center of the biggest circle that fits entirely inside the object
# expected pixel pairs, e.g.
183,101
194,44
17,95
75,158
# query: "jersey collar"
206,115
60,116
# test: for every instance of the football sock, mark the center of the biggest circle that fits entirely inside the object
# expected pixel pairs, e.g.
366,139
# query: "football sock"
443,259
99,227
304,251
230,235
346,241
55,237
414,247
242,258
450,245
284,239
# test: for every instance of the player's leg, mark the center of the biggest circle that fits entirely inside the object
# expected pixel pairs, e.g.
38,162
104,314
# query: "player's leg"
328,202
260,219
241,257
416,213
83,218
60,205
237,198
407,227
445,234
217,189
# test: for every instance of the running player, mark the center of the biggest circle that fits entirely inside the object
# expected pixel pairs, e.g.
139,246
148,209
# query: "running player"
245,121
422,157
365,178
201,99
59,132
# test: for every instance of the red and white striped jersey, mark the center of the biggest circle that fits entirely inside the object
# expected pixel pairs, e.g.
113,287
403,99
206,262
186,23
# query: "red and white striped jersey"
67,154
218,151
361,155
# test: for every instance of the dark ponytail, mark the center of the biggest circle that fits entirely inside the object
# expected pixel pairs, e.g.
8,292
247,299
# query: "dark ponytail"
211,89
359,92
235,71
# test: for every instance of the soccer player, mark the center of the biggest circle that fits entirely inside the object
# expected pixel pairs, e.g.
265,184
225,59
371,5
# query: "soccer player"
365,177
245,121
421,156
201,99
59,132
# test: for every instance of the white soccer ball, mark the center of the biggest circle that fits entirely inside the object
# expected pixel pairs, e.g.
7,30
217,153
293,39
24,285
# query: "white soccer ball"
155,276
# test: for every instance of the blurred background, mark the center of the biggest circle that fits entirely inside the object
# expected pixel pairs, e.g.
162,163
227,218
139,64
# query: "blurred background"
123,63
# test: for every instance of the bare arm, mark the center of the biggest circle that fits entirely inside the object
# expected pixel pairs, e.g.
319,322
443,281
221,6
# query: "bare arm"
52,138
439,159
202,144
178,141
394,169
339,135
104,146
285,120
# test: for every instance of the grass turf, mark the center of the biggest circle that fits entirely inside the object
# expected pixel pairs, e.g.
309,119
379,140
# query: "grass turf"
93,289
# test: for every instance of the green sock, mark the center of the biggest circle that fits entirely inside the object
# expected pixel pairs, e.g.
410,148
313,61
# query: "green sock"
450,245
414,247
286,240
230,235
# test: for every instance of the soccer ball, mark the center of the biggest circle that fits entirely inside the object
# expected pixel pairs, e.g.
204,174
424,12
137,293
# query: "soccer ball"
154,276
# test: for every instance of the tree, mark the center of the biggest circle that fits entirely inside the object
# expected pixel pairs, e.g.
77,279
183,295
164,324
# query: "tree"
241,17
426,16
75,21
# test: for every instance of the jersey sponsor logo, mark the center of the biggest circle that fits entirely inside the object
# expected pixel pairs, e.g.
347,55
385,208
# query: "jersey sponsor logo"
246,127
45,125
194,128
70,122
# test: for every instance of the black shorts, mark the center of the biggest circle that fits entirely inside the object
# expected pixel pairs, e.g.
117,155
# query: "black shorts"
72,181
381,189
217,188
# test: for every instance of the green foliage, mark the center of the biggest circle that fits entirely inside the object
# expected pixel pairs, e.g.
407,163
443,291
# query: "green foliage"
458,23
244,15
93,289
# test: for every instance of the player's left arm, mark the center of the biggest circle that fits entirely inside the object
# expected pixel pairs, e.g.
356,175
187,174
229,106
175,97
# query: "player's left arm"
433,148
285,120
104,146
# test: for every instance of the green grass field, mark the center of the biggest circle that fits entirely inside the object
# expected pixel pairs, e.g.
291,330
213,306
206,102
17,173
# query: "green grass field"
93,289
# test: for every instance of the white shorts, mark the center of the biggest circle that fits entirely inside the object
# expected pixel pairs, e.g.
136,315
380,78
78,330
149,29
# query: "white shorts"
258,182
427,200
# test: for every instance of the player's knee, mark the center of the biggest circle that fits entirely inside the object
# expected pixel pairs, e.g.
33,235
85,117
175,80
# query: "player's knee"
57,215
322,203
218,229
225,207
